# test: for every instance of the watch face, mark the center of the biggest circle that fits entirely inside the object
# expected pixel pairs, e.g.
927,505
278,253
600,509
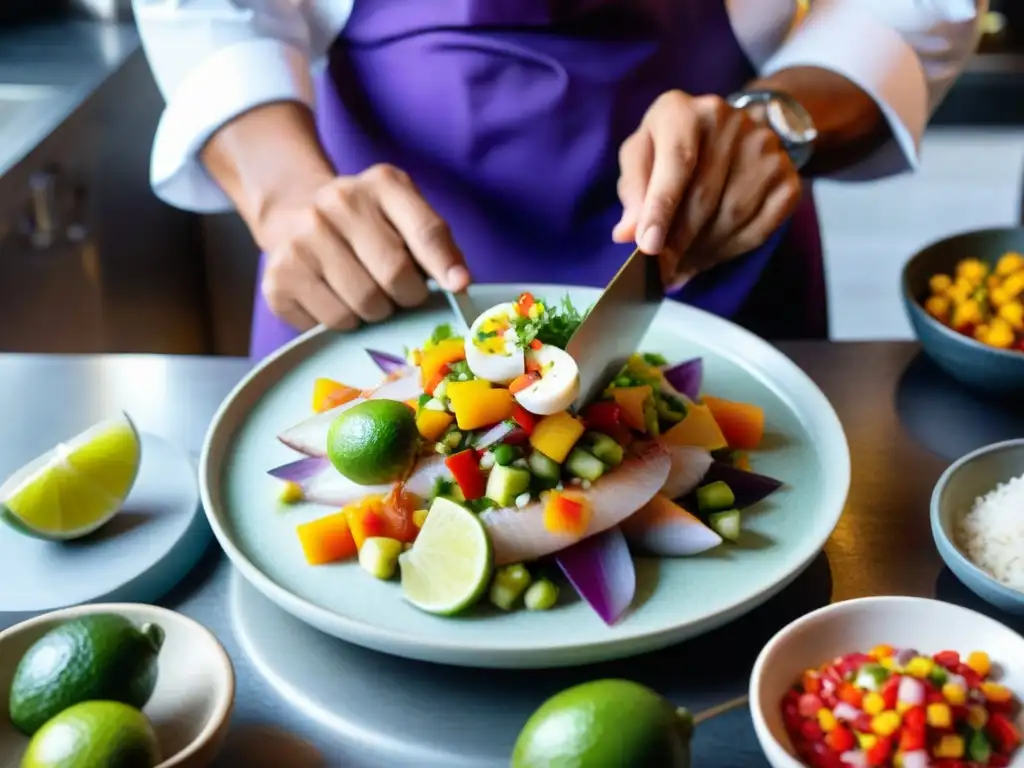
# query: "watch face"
791,121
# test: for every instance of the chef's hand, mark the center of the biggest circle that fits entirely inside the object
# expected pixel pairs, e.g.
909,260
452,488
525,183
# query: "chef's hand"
700,183
346,249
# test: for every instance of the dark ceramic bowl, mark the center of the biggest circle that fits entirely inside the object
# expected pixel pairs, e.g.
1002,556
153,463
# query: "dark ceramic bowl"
980,367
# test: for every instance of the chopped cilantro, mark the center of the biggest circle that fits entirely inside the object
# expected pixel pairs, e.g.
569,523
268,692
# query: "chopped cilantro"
442,487
555,326
459,369
442,332
422,401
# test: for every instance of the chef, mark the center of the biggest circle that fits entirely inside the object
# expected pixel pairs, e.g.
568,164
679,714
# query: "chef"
371,143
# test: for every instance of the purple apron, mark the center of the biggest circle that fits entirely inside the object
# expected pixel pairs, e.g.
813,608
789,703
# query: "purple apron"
508,115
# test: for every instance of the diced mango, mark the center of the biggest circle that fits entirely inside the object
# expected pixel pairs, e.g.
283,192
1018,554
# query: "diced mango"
432,424
742,424
698,429
365,520
555,435
328,394
327,540
461,391
483,409
434,360
566,514
632,401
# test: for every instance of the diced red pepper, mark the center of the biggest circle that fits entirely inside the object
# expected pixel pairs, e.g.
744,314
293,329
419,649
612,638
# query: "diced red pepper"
862,723
840,739
526,420
972,678
810,730
912,739
995,760
809,704
603,416
431,385
852,662
890,691
948,659
519,383
536,344
879,753
525,303
849,693
465,468
1003,732
812,682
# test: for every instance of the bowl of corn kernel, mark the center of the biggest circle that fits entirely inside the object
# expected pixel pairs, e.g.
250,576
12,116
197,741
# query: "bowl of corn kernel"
965,299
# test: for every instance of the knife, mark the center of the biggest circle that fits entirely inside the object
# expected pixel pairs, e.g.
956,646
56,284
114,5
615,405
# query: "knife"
616,324
462,305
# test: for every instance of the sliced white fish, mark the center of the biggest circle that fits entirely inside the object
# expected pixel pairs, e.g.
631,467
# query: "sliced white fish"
310,436
497,358
558,385
689,466
323,484
519,535
662,527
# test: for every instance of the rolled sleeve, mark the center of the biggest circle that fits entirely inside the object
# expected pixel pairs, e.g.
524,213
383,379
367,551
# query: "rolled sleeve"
902,53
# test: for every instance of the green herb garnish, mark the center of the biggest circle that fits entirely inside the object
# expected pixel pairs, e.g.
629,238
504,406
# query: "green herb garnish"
459,369
555,326
442,332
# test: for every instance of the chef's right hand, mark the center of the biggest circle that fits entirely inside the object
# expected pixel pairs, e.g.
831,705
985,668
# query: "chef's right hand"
353,248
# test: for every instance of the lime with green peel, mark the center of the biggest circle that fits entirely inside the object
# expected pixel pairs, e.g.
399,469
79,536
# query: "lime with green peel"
375,442
98,657
94,734
75,488
449,566
605,724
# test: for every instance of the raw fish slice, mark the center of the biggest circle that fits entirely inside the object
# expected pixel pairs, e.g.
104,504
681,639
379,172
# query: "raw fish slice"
310,436
321,483
689,466
662,527
519,535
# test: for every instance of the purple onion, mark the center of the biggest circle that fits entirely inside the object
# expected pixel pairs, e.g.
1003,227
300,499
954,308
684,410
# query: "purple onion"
301,470
686,377
387,362
748,487
601,570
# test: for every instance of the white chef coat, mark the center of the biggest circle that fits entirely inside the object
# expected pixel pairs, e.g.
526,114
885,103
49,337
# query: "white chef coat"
216,59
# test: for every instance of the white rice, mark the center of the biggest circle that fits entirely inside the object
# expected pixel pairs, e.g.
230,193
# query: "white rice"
991,534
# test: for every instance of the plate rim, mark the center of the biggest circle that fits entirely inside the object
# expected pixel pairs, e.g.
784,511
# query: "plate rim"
219,438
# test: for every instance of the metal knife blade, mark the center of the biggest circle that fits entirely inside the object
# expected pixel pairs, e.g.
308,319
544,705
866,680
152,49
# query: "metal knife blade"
462,305
616,324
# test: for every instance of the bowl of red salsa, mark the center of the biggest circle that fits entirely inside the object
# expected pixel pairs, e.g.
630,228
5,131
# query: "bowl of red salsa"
891,681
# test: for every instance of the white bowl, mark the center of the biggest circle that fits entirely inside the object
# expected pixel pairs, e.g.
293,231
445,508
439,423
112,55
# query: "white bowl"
195,688
928,626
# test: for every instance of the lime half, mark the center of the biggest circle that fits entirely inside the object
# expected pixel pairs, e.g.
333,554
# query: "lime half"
75,488
449,566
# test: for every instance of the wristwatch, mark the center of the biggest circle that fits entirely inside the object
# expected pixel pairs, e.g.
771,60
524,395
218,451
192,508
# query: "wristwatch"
786,116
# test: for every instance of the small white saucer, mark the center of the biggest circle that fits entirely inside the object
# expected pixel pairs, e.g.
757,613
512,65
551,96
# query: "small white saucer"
152,543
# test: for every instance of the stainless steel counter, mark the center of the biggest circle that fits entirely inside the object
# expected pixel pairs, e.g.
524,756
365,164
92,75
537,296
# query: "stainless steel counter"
47,72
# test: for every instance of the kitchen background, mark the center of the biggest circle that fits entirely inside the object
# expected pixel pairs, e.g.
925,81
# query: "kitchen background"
90,261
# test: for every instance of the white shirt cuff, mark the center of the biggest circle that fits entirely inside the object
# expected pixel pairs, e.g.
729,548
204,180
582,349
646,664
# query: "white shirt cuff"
227,84
875,57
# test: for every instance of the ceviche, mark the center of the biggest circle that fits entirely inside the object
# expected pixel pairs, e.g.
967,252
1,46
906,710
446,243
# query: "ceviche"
469,471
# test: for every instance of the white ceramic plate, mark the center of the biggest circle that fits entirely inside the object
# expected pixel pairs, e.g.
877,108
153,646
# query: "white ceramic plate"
195,688
677,599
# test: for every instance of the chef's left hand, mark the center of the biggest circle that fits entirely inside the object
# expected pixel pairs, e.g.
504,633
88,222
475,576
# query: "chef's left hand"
701,183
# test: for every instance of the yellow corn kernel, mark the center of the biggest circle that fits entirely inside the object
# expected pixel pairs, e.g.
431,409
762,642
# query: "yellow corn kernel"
999,296
977,717
996,692
826,719
939,715
885,724
888,663
979,661
981,332
1014,284
1000,334
882,651
938,307
291,493
1013,313
940,283
949,745
419,517
1009,263
955,694
971,269
873,703
920,666
866,740
992,282
959,291
966,312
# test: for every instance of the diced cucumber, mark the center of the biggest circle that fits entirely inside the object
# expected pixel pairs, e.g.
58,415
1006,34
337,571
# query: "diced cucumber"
545,469
651,418
715,497
541,595
379,556
726,524
508,585
441,389
505,483
604,448
453,440
979,748
506,454
584,465
669,409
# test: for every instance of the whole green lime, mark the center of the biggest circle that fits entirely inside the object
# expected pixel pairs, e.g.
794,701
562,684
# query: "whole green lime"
98,657
605,724
375,442
93,734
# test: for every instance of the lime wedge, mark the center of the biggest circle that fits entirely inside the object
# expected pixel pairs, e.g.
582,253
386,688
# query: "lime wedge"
449,566
75,488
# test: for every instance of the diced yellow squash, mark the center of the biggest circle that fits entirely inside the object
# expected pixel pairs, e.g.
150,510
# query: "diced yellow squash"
555,435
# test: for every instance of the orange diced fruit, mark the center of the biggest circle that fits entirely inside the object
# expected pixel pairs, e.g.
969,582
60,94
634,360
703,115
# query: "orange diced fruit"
432,424
698,429
328,394
566,515
366,520
435,359
485,408
742,424
327,540
632,401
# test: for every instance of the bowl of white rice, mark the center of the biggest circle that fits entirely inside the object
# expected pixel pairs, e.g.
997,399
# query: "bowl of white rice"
977,515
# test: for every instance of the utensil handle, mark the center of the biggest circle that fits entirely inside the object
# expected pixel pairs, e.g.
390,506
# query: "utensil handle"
720,709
